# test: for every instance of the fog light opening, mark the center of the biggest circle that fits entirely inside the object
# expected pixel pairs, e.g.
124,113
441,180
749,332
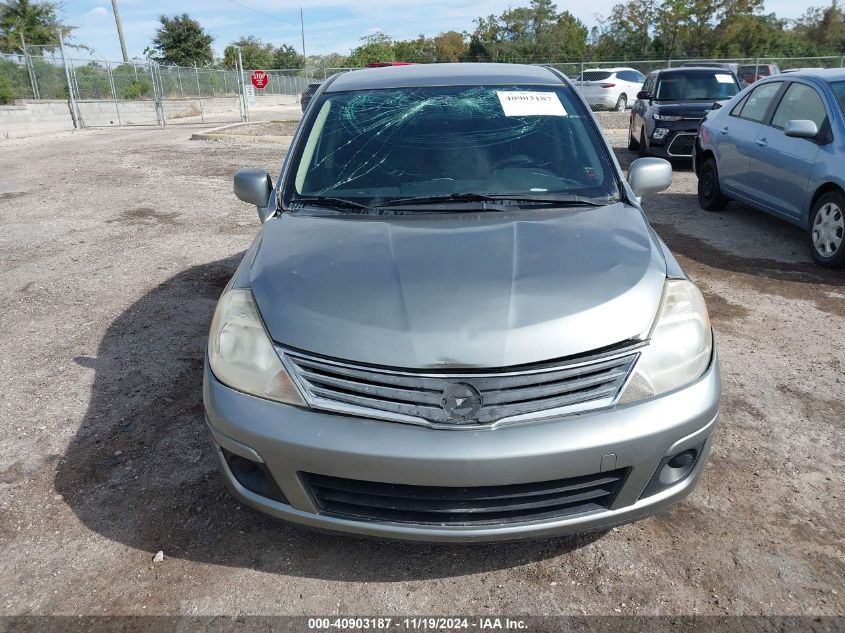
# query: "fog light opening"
684,459
673,469
253,476
660,134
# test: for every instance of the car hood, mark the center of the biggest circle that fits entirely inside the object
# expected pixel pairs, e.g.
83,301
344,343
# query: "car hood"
458,290
687,109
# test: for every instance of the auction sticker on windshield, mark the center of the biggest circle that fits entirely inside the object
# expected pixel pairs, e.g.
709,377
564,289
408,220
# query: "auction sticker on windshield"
530,103
724,79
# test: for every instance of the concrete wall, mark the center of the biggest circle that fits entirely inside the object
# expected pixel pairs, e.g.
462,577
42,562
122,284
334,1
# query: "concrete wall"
28,118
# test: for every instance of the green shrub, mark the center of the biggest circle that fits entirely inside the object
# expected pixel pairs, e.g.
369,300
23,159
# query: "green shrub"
6,93
137,88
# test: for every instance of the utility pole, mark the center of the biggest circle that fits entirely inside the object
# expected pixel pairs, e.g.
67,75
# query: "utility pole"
120,31
302,30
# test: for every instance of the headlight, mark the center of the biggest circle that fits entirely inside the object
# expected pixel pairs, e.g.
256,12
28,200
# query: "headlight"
241,354
680,345
666,117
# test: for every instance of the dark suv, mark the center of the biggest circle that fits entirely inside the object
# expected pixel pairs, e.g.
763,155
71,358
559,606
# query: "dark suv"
665,117
309,91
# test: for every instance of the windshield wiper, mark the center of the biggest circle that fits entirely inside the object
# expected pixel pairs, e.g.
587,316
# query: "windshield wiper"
328,201
561,201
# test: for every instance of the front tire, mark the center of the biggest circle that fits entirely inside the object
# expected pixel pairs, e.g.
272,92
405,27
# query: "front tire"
642,146
622,103
827,230
633,144
710,196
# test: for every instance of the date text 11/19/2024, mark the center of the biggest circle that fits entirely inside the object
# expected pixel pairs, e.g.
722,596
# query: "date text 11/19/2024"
416,623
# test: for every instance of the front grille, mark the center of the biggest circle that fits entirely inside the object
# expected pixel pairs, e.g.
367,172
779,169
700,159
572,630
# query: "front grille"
459,399
682,145
437,505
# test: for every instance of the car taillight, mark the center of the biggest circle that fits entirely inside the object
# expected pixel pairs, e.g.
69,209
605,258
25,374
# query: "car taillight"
704,134
607,85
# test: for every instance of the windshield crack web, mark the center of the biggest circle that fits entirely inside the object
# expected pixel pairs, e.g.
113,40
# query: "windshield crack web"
377,123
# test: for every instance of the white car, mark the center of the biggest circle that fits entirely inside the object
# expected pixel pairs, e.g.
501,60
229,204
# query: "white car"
610,88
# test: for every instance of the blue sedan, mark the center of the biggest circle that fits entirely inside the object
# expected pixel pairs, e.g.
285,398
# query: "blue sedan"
779,146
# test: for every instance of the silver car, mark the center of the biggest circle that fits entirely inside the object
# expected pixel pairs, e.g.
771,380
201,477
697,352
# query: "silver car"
456,323
610,88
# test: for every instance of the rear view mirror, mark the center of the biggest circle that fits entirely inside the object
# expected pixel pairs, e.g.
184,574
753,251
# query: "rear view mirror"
253,185
801,128
645,95
649,175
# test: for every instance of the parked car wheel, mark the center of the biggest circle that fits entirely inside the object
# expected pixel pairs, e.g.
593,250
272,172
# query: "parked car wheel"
827,230
622,103
642,146
633,144
710,196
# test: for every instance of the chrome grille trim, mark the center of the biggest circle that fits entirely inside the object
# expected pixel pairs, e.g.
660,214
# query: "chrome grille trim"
684,137
508,395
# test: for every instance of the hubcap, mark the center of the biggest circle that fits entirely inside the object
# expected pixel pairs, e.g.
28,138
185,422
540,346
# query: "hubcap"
828,230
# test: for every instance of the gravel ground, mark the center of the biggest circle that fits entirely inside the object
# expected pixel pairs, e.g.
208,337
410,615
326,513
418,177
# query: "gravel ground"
115,244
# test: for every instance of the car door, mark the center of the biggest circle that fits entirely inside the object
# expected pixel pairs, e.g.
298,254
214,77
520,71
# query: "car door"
736,136
630,87
781,166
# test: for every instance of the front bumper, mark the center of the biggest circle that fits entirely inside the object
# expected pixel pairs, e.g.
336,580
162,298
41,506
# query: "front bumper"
678,143
603,101
291,441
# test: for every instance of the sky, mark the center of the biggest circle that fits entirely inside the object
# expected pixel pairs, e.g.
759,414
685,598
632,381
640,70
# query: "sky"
330,25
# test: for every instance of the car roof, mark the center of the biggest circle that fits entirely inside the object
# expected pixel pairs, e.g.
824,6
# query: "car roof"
692,69
827,74
610,70
444,75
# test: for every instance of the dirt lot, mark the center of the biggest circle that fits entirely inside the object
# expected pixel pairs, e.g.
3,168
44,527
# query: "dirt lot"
268,128
114,246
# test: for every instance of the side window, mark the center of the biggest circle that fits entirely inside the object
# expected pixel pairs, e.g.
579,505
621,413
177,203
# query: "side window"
627,75
800,102
640,77
757,103
739,106
649,84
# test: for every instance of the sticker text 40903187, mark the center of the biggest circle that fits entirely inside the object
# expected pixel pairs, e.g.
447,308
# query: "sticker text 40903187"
530,103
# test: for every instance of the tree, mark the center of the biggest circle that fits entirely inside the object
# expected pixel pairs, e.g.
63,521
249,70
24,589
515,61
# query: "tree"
533,33
254,53
182,41
377,47
628,30
476,51
332,60
450,46
35,21
285,56
824,29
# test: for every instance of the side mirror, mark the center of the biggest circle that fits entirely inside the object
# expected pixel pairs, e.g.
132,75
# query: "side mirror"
800,128
253,185
644,95
649,175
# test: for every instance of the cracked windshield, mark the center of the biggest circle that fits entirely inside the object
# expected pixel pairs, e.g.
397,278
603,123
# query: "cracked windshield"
404,145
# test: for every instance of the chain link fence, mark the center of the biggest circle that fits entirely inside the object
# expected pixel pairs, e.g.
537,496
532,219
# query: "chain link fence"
646,66
106,93
102,93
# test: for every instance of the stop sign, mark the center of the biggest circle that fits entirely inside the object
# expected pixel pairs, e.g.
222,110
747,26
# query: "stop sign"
260,79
